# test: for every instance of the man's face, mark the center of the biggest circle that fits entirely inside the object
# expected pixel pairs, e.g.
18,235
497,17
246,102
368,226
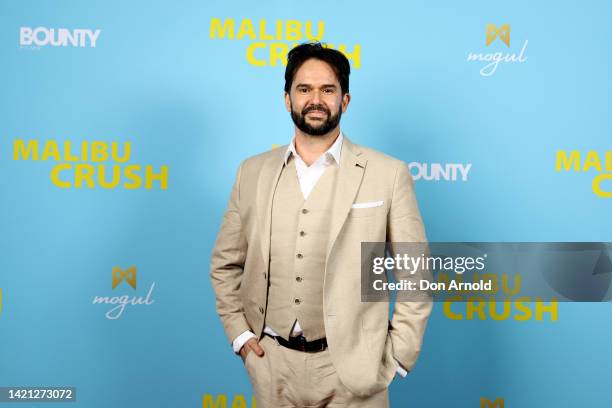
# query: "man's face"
316,102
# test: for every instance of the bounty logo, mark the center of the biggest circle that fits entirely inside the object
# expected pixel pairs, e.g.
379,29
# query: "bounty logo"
492,60
35,38
439,171
119,303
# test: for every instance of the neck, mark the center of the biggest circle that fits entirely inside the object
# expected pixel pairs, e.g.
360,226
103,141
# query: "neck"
310,148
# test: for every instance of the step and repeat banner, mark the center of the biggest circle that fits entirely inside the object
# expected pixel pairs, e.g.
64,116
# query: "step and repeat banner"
122,127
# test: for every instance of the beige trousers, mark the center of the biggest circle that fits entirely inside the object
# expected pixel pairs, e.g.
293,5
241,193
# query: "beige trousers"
290,378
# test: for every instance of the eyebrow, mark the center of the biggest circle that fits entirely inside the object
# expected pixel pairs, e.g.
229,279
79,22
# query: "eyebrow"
322,86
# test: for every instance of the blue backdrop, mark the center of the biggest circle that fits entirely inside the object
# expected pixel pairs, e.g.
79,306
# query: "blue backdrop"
507,142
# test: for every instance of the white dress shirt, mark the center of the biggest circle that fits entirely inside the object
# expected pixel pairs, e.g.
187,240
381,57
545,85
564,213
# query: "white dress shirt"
308,176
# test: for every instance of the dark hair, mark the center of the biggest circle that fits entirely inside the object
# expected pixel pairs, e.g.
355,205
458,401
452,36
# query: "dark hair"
303,52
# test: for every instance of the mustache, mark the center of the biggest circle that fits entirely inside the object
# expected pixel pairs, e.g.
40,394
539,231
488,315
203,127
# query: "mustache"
311,108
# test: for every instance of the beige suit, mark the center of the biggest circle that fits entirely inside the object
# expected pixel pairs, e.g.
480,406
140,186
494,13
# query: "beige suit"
362,342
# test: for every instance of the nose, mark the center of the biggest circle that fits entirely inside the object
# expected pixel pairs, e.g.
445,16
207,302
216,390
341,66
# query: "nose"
316,97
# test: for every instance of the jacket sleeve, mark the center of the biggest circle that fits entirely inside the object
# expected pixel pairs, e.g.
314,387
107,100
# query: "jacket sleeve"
405,225
227,265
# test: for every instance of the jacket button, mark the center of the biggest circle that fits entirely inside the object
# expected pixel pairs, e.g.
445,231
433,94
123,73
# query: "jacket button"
297,301
261,310
298,278
302,233
299,256
304,211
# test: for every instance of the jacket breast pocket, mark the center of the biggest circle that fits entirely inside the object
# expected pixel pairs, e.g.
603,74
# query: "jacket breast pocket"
367,212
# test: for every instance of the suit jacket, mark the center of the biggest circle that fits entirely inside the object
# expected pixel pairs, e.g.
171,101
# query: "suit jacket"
362,341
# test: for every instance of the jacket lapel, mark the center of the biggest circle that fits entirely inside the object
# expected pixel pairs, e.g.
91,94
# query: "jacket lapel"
350,174
268,178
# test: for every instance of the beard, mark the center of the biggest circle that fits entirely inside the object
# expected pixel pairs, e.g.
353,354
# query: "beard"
322,126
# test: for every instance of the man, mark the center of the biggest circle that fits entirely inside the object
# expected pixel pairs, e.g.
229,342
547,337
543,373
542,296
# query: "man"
286,264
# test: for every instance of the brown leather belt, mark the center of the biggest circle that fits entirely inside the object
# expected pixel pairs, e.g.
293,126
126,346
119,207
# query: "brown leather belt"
299,343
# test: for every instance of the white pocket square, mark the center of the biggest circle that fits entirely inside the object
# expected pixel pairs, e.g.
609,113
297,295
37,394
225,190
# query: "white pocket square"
370,204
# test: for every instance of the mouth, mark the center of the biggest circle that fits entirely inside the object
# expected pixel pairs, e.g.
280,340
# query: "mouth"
316,113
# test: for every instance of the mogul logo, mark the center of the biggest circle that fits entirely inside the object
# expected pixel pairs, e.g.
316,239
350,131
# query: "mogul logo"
34,38
503,32
129,275
119,303
268,41
440,171
81,165
516,308
487,403
221,401
591,161
492,60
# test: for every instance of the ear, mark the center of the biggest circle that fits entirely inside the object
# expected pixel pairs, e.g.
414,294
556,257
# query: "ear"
287,102
346,98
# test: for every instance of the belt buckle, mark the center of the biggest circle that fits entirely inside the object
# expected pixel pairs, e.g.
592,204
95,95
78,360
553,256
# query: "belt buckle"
302,342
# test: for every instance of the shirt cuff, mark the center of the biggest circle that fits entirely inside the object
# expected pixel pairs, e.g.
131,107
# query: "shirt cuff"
240,340
401,370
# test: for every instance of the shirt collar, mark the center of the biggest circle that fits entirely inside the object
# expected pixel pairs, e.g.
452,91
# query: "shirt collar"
334,150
